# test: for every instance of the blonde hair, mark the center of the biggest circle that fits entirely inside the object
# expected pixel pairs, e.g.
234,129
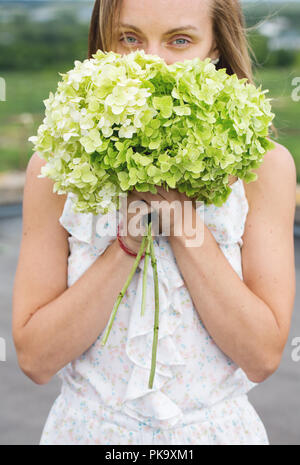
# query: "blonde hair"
229,29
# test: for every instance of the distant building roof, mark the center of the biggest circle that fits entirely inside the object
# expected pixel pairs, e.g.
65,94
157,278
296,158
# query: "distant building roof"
289,41
274,27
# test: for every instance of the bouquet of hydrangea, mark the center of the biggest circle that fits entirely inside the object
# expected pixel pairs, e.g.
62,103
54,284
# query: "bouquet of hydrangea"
118,123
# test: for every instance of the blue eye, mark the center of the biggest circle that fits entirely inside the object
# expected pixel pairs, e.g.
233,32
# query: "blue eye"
131,40
181,42
128,37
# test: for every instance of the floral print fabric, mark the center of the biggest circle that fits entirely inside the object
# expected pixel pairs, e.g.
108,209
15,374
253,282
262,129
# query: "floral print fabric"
199,395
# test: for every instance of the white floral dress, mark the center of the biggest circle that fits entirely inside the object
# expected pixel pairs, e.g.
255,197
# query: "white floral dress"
199,395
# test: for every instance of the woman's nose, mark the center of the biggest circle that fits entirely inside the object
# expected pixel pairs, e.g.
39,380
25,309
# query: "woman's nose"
155,49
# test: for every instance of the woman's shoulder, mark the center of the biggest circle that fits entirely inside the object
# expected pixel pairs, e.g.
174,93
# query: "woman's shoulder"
276,174
42,188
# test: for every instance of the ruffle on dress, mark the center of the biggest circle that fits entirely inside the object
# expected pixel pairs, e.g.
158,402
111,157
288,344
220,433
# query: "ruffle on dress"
153,406
141,402
235,210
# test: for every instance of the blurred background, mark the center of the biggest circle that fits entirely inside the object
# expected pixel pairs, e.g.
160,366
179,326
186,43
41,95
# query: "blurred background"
38,40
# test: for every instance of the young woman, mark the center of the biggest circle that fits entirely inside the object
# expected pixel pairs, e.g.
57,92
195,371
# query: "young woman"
225,306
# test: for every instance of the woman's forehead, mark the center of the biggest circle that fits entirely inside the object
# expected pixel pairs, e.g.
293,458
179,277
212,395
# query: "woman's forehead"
165,14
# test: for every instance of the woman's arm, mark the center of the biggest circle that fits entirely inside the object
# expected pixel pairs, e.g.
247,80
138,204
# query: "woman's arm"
249,320
54,324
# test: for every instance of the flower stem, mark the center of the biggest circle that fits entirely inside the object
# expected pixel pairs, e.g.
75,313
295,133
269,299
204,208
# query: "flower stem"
156,315
147,254
122,292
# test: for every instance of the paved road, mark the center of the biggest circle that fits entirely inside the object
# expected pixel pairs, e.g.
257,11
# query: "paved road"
24,406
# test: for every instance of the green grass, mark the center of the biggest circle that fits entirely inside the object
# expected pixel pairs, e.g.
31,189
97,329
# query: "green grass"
26,92
287,111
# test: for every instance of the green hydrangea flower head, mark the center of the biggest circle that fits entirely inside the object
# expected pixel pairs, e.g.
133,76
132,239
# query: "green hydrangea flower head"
118,122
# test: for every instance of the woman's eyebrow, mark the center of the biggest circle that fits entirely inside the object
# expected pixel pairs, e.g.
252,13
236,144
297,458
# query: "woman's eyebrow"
176,29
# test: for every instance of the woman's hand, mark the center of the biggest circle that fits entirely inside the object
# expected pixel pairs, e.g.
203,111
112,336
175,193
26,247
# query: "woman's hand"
170,207
136,209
